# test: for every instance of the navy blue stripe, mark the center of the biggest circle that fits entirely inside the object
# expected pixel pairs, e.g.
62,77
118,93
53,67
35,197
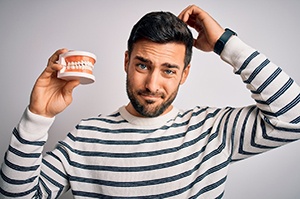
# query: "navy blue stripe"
246,62
18,167
143,154
136,154
46,188
206,174
256,71
154,181
211,187
290,130
64,153
22,154
117,114
38,194
23,141
234,127
254,134
267,137
142,131
113,121
141,168
147,140
106,120
54,182
289,106
242,136
201,110
285,109
157,181
296,120
284,88
15,195
49,165
16,182
124,142
114,115
268,81
86,194
236,160
171,193
221,195
195,113
134,169
54,156
224,133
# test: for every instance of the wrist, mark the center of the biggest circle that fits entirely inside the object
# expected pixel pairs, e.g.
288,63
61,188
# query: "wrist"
236,52
33,126
220,44
39,111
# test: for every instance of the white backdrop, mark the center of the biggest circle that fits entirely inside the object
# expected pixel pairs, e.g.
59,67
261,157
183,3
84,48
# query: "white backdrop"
30,31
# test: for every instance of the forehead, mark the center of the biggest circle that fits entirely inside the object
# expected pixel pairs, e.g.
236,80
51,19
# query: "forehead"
173,53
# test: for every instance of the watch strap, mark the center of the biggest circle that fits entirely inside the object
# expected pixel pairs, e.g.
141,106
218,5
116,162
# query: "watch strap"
219,46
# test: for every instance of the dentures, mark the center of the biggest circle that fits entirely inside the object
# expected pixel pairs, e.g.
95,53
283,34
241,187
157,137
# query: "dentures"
79,64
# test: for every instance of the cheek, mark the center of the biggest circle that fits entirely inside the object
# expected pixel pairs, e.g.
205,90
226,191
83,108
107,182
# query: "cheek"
171,86
135,79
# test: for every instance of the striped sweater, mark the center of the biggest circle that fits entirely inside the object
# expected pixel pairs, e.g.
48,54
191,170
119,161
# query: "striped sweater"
182,154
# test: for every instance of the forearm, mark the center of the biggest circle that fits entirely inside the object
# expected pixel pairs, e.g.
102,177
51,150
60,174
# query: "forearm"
276,94
274,120
21,168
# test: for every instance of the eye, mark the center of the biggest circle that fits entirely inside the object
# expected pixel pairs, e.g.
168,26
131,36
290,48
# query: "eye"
142,66
169,72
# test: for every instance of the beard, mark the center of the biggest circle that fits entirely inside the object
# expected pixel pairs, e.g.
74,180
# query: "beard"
148,109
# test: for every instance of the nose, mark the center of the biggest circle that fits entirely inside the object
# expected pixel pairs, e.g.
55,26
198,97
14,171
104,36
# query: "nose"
153,82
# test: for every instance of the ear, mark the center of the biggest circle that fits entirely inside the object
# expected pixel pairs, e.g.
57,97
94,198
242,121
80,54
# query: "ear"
185,74
126,61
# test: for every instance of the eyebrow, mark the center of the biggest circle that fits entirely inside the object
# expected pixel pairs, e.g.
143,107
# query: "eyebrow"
143,59
168,65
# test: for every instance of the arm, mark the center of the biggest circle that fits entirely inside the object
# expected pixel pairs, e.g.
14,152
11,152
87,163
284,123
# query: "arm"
25,172
274,120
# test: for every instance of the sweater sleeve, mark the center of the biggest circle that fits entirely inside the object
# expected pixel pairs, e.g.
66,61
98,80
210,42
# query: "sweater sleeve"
22,172
275,119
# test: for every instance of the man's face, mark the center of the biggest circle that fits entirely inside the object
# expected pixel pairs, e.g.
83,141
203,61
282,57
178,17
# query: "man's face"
154,73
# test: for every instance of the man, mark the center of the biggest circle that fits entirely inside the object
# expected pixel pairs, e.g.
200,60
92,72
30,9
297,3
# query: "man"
150,149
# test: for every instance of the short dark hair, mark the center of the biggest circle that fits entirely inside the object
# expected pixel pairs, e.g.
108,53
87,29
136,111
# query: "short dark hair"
162,27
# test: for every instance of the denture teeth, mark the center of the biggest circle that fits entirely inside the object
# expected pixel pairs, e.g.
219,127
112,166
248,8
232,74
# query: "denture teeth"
84,65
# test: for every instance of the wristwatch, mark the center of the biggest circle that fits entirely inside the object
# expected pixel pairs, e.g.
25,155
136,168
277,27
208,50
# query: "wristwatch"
219,46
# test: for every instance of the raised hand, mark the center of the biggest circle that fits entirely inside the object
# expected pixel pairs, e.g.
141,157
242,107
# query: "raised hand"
209,31
51,95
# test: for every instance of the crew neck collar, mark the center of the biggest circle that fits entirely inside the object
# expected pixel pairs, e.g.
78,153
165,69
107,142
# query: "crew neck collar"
148,121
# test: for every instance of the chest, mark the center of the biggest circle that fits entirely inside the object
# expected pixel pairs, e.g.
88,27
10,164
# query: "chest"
146,163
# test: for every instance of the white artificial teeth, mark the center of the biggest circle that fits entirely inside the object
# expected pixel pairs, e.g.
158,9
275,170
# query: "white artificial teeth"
84,65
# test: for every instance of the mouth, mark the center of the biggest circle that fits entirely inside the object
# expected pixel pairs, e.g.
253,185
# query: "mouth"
150,100
149,97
